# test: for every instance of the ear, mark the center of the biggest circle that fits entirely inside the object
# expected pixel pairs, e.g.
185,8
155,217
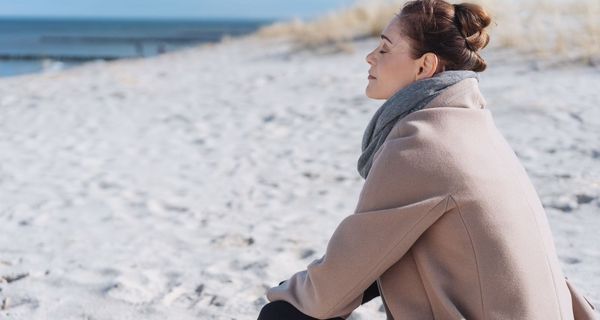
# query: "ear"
427,64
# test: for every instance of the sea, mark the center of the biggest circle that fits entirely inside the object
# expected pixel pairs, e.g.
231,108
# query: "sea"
30,45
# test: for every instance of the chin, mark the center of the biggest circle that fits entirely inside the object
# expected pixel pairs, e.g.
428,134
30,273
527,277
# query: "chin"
373,95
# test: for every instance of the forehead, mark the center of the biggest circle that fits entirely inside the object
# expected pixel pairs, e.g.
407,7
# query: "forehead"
393,32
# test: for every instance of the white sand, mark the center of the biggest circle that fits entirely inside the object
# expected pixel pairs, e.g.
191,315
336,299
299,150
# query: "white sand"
183,186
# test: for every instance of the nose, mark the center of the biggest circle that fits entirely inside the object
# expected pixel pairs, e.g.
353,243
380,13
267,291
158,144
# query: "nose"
369,58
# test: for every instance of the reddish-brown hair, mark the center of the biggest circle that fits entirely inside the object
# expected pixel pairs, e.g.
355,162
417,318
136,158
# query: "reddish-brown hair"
454,32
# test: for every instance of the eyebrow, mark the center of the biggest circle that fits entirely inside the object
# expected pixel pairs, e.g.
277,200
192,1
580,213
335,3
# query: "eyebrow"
386,38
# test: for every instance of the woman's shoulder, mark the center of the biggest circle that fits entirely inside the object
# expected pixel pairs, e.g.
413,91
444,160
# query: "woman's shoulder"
442,126
436,141
463,94
453,124
459,108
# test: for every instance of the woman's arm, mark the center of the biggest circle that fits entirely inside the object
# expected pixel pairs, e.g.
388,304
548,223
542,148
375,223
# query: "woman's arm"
371,293
402,197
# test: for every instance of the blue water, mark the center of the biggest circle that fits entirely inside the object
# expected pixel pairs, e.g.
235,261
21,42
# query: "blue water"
32,44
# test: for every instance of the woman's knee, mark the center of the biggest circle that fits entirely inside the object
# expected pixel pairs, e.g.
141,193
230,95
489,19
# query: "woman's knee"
279,310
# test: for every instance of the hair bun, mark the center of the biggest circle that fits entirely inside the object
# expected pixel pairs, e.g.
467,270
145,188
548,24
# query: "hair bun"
471,20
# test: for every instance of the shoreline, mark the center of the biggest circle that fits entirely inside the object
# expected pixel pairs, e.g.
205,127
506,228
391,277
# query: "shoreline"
34,45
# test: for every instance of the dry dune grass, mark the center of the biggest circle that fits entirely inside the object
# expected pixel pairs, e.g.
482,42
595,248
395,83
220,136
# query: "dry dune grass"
335,30
552,30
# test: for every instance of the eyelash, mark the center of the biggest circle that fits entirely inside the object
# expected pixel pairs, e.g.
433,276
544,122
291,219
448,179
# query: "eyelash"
382,52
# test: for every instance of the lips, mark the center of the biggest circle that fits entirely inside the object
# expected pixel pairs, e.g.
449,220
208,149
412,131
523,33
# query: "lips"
371,77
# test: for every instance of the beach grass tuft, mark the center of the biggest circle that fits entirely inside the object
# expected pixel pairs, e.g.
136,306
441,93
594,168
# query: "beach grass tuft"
551,30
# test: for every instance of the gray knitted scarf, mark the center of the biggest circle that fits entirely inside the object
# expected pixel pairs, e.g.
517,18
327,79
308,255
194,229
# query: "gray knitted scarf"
411,98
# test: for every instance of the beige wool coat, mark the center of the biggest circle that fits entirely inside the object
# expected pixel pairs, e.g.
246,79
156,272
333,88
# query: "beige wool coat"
449,225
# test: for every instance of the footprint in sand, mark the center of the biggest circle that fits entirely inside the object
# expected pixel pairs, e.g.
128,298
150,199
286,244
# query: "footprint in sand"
136,287
570,260
232,240
307,253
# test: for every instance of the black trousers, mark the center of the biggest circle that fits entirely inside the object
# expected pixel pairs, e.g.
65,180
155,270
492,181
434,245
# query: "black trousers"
283,310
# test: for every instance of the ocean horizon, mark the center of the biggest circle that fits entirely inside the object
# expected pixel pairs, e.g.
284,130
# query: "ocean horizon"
34,44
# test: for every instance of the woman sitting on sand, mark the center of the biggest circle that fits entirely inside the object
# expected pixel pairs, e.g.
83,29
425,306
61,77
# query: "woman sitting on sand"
448,224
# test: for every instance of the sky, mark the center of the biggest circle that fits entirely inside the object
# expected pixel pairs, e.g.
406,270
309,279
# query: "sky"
251,9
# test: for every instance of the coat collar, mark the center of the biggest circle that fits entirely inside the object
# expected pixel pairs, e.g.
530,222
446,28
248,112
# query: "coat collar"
464,94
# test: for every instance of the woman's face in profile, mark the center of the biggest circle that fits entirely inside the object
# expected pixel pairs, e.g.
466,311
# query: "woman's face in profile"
391,64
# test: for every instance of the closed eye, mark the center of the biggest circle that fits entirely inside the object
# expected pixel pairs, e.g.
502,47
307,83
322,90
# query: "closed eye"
381,51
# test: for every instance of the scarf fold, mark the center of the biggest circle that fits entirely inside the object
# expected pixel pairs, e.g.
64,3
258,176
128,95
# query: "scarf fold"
411,98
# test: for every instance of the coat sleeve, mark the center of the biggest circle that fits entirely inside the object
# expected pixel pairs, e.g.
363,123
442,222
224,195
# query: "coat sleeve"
403,195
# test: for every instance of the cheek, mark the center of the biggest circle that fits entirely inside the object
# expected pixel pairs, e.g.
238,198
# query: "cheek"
395,73
399,67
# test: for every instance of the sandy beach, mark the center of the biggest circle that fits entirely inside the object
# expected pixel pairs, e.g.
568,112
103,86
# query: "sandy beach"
183,186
